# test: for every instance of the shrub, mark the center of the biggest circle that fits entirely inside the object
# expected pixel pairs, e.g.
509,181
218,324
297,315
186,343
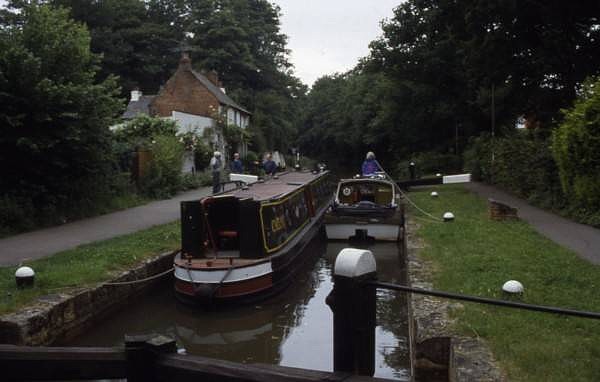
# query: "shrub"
523,164
164,176
141,130
477,158
199,179
576,147
16,214
202,155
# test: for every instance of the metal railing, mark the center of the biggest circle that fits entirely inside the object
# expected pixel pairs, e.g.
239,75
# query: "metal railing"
485,300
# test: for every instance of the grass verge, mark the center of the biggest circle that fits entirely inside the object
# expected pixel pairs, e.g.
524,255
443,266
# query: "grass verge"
474,255
86,265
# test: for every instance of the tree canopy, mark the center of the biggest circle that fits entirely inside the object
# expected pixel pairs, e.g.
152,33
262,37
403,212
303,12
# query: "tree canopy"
440,65
55,113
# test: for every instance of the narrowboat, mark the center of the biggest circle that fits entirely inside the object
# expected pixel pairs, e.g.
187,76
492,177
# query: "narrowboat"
366,208
247,243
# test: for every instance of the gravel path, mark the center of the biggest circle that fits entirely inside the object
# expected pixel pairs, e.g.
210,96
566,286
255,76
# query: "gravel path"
45,242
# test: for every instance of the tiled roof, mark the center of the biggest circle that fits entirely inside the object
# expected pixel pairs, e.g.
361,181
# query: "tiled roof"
217,92
138,107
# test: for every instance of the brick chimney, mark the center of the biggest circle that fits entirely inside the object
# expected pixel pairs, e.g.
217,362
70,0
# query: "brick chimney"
213,77
185,62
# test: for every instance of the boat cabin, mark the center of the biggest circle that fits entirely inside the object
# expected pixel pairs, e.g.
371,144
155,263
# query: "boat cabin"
377,191
255,221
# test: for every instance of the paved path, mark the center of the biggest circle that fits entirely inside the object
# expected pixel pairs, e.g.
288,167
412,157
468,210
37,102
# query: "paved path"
582,239
44,242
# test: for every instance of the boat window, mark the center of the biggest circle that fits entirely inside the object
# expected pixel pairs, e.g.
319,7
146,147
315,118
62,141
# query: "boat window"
355,192
223,223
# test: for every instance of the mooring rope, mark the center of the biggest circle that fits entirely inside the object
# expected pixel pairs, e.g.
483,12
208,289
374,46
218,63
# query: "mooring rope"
406,196
159,275
222,280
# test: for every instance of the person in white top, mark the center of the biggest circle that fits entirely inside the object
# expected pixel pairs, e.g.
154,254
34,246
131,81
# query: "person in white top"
216,165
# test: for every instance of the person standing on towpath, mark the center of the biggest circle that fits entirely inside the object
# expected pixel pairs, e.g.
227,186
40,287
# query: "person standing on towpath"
236,165
269,165
216,165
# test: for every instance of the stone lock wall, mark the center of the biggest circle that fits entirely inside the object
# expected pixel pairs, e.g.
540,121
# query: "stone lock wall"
441,354
62,316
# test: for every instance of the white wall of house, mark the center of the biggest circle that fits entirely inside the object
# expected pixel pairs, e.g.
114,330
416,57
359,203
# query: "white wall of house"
244,121
189,122
231,116
236,117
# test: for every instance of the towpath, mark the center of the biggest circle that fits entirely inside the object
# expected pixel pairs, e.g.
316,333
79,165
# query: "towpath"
45,242
582,239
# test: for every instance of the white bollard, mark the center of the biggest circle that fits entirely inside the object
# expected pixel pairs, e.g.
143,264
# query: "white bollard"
448,217
24,277
513,287
352,262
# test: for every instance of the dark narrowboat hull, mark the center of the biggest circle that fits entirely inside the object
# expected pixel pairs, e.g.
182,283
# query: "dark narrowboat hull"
245,246
286,265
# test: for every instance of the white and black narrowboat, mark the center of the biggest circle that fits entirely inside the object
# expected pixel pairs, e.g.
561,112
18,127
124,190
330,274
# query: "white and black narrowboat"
366,208
247,243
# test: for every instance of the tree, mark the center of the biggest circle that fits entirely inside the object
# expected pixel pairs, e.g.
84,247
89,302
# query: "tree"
241,40
137,39
427,83
55,114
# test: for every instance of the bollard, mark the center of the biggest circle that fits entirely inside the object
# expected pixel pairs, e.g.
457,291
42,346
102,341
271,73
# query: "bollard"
354,312
24,277
412,170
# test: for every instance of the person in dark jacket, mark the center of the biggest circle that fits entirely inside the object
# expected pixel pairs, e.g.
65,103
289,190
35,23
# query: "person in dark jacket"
269,165
370,166
236,166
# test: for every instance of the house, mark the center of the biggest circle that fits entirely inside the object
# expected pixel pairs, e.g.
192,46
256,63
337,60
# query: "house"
194,100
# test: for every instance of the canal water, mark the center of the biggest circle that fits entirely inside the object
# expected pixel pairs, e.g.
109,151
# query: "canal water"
295,328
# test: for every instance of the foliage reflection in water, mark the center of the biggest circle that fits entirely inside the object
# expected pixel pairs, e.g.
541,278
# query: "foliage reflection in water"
291,329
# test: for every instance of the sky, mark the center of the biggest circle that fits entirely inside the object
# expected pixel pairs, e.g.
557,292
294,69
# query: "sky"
329,36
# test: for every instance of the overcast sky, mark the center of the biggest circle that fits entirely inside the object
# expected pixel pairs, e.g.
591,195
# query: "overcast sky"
328,36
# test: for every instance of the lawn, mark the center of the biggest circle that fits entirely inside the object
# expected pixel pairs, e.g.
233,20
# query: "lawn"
86,265
474,255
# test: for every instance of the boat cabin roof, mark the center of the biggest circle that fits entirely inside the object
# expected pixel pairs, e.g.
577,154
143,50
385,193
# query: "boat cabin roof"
366,180
286,183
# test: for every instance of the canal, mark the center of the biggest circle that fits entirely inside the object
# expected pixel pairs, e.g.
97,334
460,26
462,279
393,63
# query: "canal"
292,329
